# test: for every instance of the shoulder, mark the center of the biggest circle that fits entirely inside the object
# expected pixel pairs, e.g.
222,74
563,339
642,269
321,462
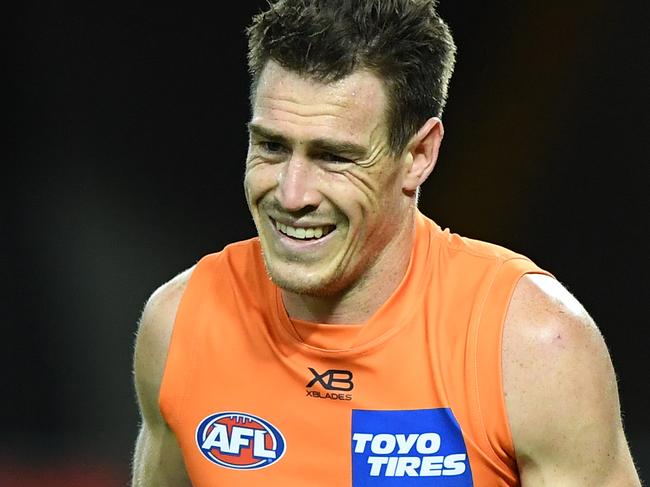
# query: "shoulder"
543,313
546,330
559,384
153,337
552,351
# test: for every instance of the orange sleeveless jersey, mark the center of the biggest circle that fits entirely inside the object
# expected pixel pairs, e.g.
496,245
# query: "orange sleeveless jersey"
413,397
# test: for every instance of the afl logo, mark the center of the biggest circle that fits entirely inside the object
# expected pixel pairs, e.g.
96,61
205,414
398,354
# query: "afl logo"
239,441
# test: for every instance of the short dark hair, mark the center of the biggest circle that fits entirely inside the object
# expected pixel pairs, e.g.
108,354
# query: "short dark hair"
403,42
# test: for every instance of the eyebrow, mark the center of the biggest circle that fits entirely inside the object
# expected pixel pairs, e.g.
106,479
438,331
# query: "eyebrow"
341,147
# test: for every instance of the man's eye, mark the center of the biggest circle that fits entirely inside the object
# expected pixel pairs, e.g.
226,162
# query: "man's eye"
271,147
328,157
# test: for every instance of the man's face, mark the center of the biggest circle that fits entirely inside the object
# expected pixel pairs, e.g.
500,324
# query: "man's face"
322,186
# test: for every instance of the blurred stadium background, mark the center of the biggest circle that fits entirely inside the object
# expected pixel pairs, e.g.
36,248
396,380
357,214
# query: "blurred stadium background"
124,164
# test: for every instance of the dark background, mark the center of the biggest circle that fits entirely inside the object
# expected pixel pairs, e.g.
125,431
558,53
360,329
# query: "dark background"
124,166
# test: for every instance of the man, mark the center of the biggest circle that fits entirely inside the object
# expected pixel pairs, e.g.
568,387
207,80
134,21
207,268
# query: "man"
354,342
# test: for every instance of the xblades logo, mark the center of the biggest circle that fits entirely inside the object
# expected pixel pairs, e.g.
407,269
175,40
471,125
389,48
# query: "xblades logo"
331,380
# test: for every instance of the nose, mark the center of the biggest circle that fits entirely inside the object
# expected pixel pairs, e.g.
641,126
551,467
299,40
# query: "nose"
297,184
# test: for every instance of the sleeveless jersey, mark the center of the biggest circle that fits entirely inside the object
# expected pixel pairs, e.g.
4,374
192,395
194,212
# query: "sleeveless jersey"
413,397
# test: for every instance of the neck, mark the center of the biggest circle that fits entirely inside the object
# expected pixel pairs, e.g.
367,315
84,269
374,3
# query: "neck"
360,301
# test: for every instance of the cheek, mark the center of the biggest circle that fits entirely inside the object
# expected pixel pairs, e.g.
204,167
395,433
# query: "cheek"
260,179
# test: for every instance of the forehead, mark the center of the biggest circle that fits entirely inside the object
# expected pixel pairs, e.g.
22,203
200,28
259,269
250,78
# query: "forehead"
353,106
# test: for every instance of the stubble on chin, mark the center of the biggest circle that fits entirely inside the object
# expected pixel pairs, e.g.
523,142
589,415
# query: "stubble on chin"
293,283
298,282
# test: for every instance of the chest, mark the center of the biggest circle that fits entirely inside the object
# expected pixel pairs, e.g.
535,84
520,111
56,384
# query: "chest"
259,406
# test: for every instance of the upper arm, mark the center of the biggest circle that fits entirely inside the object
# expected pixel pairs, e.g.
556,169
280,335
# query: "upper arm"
560,391
158,460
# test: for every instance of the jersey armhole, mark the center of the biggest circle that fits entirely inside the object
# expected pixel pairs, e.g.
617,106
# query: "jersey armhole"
180,361
488,359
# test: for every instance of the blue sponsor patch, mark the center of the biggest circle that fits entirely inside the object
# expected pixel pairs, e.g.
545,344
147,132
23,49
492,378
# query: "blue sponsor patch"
408,448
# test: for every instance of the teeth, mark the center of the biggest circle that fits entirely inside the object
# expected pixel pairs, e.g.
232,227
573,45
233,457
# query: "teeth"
303,233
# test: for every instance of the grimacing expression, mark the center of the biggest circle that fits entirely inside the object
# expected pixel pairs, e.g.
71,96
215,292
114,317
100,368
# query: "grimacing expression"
321,184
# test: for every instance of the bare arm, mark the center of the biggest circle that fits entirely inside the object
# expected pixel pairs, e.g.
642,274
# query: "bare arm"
561,392
157,461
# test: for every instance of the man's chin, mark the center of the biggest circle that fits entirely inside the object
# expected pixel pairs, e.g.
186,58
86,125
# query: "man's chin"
299,286
299,282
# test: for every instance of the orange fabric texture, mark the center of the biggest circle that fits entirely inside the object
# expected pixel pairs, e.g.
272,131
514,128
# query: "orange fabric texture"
412,397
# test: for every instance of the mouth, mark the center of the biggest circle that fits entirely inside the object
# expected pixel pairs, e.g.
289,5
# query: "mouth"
303,233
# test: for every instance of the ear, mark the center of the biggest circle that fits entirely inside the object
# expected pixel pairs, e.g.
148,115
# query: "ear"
421,154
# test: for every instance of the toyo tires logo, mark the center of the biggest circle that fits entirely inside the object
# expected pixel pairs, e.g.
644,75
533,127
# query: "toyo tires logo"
408,448
239,441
